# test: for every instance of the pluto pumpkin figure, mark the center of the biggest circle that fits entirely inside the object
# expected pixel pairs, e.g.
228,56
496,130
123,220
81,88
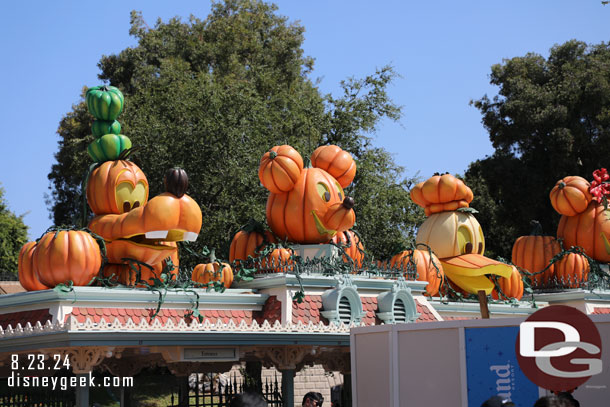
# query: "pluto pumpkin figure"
132,226
308,205
454,234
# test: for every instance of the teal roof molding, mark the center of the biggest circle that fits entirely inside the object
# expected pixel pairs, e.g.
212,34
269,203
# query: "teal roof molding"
397,305
342,305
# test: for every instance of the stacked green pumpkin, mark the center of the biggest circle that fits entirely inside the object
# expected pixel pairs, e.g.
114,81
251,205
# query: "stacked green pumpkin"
105,103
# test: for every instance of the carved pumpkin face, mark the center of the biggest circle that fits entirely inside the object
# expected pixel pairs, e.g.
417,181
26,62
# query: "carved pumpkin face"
116,187
314,211
452,234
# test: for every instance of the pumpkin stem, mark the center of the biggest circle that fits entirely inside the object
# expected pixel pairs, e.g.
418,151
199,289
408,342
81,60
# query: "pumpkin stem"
212,255
126,153
272,154
253,226
176,181
536,228
561,185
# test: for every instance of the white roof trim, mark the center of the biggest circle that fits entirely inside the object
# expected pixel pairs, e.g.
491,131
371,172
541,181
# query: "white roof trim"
72,325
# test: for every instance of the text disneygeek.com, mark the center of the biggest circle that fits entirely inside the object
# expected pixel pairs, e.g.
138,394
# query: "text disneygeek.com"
63,382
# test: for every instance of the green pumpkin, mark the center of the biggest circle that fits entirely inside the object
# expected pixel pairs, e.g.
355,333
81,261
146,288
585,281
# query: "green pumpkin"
108,147
105,102
101,127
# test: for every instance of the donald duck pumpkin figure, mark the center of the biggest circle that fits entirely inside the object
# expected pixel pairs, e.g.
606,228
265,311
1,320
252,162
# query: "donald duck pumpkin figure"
454,235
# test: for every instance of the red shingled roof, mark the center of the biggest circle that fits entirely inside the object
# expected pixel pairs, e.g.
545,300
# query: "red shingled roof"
601,310
425,314
459,318
309,310
369,305
272,311
23,317
137,314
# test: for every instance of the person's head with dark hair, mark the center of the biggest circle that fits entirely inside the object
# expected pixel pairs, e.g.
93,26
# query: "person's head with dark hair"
552,401
313,399
497,401
248,399
568,396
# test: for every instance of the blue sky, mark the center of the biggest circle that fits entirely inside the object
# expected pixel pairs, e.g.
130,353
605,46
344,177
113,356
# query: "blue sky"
443,51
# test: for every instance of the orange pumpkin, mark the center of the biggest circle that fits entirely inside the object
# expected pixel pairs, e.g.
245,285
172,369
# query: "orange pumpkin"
441,193
135,227
278,261
533,253
511,287
572,270
158,268
337,162
280,169
587,230
445,289
121,273
116,187
174,216
352,246
245,243
313,212
213,271
27,276
424,263
571,196
66,256
146,253
125,275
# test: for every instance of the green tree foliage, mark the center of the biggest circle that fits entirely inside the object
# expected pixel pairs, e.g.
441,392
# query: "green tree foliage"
13,235
212,96
550,119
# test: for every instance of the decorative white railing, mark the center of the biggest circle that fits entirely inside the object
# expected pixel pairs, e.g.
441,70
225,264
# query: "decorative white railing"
72,325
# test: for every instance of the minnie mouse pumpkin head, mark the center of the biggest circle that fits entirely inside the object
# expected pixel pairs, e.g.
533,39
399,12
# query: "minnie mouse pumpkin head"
308,205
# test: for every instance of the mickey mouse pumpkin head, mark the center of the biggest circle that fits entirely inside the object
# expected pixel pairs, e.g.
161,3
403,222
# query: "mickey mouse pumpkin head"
307,205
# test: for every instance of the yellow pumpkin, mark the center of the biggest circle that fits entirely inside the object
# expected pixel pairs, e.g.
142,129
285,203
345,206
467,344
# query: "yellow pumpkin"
451,234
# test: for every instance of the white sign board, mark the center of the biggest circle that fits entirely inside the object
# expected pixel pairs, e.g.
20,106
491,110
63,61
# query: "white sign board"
210,354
